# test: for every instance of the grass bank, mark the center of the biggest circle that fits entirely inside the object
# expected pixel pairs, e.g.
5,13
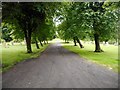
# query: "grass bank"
108,58
17,53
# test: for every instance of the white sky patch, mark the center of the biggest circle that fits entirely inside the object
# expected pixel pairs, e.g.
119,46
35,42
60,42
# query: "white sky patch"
56,21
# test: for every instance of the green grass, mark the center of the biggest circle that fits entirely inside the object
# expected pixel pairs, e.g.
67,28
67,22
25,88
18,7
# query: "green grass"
17,53
108,58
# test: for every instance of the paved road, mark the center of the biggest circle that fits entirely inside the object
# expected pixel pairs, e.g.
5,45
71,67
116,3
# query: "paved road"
59,68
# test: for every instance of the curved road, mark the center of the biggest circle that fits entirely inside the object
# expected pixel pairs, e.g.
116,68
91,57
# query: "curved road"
57,67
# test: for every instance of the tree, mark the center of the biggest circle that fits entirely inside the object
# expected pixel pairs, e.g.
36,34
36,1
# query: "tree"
26,17
69,28
102,20
90,19
21,13
6,32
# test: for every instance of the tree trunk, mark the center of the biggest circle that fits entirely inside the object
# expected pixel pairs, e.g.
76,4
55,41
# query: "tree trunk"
44,42
106,41
36,42
65,40
47,41
28,41
75,44
41,43
97,43
96,37
81,46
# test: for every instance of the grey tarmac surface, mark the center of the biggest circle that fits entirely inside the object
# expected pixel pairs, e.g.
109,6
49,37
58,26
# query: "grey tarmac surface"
57,67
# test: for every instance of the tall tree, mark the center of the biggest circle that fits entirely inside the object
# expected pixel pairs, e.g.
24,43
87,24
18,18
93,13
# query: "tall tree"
26,16
90,19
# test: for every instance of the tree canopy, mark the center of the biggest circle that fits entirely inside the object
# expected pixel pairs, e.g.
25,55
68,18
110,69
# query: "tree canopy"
30,18
98,21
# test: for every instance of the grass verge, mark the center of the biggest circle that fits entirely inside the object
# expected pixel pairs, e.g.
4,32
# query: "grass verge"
108,58
17,53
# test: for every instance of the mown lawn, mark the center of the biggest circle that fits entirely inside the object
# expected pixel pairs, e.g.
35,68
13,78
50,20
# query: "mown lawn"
17,53
108,58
